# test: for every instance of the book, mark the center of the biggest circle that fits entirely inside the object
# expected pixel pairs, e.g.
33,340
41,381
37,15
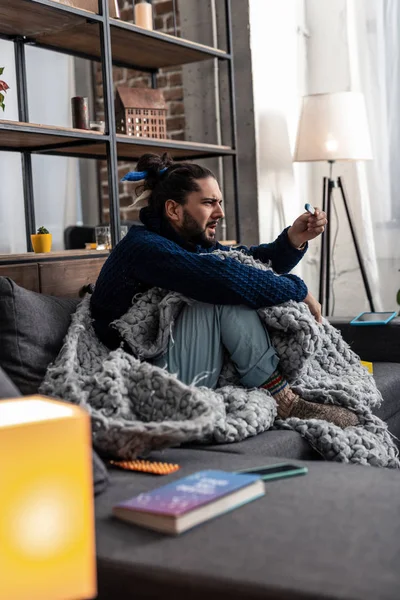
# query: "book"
191,500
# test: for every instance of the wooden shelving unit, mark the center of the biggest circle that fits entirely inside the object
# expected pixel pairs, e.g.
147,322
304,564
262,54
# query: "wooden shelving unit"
55,26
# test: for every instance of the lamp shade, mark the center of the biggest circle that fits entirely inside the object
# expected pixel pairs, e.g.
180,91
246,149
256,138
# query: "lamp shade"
47,544
333,127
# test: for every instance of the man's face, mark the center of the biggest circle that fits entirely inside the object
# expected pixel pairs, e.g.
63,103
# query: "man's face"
196,221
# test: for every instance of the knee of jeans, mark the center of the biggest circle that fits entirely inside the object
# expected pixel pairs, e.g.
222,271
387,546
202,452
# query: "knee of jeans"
237,309
243,315
198,312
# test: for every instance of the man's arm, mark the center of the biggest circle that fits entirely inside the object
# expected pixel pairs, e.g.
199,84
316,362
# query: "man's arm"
291,245
207,277
281,253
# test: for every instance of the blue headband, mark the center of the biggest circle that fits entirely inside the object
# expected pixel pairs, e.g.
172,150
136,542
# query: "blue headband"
138,175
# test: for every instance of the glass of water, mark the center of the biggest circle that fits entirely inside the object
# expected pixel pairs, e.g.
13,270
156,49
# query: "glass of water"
103,238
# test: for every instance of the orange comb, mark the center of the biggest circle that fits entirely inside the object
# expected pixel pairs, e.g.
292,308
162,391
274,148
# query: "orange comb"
146,466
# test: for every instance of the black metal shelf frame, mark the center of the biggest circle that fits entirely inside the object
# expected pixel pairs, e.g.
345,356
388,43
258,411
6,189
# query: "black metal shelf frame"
110,137
111,144
235,158
26,158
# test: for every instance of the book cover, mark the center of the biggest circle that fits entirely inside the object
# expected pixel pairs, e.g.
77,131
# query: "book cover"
189,493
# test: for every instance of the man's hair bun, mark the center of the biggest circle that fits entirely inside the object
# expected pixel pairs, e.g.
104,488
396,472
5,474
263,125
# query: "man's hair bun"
153,164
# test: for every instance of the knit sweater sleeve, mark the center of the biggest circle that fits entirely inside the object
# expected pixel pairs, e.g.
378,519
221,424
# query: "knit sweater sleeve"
280,253
208,277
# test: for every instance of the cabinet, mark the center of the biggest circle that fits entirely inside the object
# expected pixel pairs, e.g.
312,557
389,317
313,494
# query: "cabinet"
99,37
54,274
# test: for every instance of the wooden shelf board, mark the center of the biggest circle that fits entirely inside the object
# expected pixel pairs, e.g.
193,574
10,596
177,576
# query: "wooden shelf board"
28,257
28,136
26,18
131,149
154,50
54,28
16,135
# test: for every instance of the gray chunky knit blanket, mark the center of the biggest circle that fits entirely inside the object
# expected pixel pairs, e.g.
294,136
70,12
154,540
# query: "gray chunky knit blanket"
136,407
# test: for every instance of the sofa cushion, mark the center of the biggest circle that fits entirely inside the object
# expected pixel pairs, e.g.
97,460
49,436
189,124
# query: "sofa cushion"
374,344
329,534
279,443
100,474
387,377
32,329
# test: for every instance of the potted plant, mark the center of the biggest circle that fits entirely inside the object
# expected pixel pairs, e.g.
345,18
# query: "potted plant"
41,241
3,88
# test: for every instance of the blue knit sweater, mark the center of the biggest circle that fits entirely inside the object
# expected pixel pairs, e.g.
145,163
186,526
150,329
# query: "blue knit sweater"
156,256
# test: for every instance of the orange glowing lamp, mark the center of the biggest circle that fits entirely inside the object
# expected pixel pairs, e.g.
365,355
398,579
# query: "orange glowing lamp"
47,541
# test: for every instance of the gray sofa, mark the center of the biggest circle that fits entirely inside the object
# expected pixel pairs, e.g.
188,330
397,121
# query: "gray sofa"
334,533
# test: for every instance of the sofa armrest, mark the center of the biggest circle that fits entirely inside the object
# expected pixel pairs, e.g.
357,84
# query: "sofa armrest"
374,343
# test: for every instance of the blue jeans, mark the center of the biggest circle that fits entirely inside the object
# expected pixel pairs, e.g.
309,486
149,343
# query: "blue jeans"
200,337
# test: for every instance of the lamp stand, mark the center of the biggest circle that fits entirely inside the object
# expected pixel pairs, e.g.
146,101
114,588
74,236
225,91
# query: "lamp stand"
324,274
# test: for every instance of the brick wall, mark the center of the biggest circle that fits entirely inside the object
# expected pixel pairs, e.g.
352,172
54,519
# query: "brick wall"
168,79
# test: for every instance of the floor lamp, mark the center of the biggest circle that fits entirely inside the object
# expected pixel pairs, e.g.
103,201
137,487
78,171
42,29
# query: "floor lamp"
334,127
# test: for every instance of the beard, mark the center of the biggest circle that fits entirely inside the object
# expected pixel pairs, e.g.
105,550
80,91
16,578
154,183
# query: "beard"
192,232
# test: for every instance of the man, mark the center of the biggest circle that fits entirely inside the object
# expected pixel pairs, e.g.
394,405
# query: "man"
175,251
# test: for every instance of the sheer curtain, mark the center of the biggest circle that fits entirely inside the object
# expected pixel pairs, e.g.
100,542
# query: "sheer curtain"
374,33
55,179
354,45
318,46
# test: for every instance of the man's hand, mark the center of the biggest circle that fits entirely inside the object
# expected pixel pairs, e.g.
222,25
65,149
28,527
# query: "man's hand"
314,306
307,227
